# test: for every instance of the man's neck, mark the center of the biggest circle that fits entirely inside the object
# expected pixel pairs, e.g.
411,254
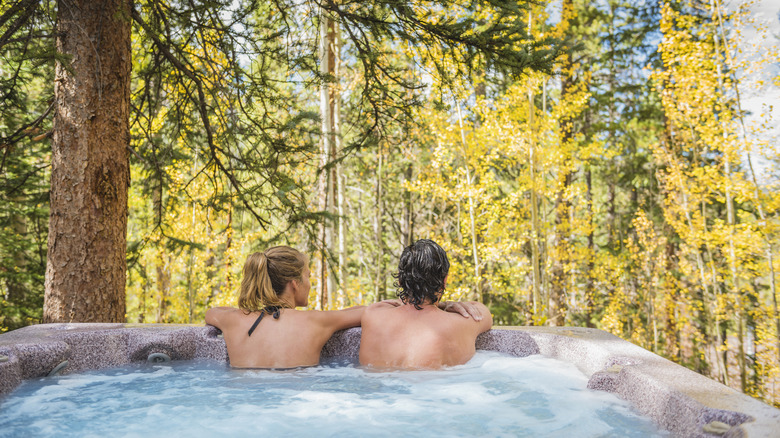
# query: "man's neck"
425,305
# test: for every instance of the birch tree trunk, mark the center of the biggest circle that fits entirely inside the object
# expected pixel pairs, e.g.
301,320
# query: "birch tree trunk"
756,188
335,282
326,182
379,263
537,299
86,267
590,287
560,259
731,220
470,180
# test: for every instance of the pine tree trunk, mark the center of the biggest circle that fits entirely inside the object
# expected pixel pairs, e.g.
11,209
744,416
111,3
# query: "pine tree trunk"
86,267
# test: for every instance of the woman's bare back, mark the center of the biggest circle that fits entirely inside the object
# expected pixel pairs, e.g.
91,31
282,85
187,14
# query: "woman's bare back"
295,339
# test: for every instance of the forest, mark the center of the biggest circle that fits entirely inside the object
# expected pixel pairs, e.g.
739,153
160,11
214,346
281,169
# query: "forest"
583,163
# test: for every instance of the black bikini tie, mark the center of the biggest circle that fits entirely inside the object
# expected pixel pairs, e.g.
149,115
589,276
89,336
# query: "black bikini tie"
270,309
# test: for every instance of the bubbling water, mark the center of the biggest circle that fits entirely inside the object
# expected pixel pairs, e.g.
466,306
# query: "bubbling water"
492,395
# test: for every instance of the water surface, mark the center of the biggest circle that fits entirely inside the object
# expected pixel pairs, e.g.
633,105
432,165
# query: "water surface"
492,395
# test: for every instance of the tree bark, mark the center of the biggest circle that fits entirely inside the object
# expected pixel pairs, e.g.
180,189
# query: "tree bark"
86,267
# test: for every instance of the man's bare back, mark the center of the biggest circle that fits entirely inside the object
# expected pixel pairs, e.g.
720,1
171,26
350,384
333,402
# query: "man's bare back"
409,338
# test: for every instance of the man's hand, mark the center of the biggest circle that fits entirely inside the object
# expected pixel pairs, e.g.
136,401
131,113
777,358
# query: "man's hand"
465,308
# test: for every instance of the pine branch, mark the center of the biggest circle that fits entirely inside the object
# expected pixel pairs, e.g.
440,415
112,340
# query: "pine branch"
203,111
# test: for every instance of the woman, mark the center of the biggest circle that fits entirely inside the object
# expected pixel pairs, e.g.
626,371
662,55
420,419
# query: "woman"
266,331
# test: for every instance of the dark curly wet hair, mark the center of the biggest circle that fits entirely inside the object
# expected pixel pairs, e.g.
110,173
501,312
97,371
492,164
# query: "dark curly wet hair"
421,273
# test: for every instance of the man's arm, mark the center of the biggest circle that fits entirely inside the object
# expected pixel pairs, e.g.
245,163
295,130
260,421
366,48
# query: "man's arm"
335,320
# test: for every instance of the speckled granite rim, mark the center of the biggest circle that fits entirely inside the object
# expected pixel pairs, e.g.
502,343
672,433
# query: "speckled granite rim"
679,400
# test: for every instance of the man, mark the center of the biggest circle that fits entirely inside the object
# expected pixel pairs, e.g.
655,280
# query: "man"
419,333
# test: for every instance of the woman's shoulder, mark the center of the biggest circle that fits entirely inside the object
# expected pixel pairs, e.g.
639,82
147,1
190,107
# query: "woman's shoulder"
224,310
220,316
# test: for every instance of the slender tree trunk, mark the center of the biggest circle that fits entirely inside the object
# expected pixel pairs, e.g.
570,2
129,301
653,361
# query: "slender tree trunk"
470,179
228,285
86,267
191,255
672,331
326,183
537,299
735,289
163,286
560,259
589,283
16,288
611,212
335,189
712,333
731,220
356,217
408,220
756,188
379,278
190,286
342,236
144,294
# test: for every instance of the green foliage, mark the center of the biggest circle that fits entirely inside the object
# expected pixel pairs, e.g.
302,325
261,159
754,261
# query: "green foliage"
606,185
26,75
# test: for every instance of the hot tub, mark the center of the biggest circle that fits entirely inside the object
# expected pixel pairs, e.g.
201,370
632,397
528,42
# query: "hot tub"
679,400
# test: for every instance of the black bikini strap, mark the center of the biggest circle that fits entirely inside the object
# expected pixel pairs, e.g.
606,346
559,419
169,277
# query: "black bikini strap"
257,321
276,312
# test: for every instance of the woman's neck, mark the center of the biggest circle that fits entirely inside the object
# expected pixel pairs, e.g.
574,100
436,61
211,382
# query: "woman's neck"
287,301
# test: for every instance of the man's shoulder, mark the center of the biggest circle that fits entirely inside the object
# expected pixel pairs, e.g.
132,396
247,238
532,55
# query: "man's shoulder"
456,322
379,307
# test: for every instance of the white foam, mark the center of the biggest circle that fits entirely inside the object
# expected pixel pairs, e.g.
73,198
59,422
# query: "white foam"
492,395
